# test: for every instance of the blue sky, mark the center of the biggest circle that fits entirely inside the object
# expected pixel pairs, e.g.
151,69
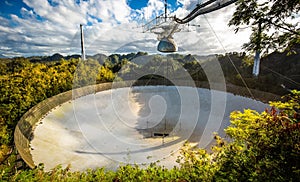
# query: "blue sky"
45,27
138,4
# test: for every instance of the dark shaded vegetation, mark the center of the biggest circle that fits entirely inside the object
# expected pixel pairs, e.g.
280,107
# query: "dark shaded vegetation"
277,70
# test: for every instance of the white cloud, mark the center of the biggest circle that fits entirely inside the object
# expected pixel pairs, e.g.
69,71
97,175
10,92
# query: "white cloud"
47,28
214,35
189,4
8,4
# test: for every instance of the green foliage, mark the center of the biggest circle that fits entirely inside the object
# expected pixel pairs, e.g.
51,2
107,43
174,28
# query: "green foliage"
196,164
290,108
23,88
279,30
91,72
105,75
86,73
24,84
264,146
60,174
195,70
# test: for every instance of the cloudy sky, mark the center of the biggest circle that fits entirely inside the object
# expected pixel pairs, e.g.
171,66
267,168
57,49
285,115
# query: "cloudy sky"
45,27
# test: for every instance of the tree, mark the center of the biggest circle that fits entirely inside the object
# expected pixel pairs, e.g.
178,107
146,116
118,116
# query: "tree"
276,19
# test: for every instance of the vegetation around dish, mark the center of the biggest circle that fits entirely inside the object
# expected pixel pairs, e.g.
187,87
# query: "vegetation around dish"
265,146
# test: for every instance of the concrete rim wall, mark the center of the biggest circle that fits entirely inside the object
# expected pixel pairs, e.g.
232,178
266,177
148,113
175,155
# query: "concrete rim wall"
24,130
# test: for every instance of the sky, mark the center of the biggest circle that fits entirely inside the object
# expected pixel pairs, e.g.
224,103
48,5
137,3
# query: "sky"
46,27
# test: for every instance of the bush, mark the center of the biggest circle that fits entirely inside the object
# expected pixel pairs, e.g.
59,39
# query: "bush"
264,146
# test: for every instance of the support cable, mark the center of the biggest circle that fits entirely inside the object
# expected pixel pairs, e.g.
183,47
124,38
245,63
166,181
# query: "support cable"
244,82
199,6
204,10
281,75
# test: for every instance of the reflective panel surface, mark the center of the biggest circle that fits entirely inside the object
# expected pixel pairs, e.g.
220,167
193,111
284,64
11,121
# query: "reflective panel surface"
167,45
